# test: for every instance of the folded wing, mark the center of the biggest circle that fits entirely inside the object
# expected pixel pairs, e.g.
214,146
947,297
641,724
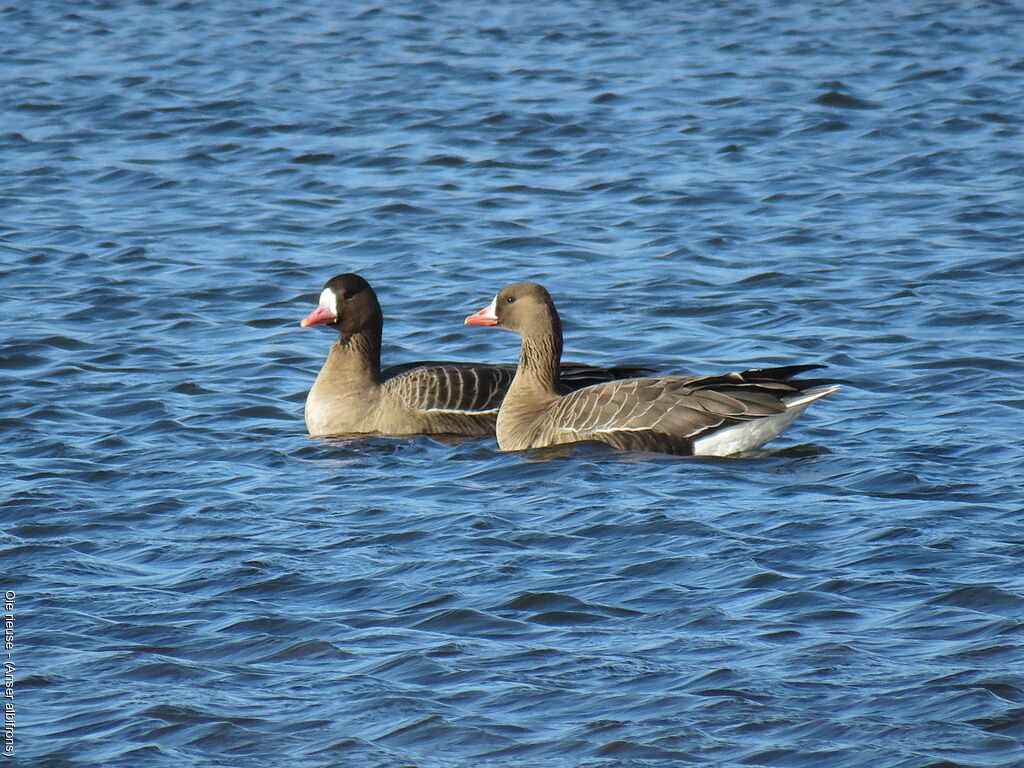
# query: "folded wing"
670,413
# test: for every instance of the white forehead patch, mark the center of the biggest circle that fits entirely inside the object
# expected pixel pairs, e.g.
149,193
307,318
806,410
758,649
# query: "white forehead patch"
329,301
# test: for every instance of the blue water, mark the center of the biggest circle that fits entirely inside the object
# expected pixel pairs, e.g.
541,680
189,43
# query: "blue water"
702,187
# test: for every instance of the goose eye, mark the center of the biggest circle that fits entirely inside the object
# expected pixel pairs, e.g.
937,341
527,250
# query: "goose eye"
509,299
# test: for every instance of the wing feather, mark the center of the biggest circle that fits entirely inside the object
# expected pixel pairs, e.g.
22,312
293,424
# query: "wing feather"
670,407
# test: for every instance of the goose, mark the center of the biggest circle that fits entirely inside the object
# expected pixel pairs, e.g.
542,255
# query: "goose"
704,416
352,395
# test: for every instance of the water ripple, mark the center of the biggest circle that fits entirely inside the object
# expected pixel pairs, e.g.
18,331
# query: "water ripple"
198,582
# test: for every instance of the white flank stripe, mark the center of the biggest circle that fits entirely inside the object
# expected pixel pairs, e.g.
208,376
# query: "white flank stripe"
812,394
458,410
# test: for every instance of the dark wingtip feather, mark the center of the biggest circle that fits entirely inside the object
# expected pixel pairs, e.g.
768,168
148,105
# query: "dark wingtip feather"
780,373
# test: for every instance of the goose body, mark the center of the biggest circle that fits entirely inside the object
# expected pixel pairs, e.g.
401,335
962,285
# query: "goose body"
352,395
713,415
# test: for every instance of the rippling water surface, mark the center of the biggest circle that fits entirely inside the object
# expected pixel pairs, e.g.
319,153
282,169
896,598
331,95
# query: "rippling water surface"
702,187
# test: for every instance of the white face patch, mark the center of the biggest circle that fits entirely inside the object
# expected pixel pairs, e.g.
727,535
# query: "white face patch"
329,301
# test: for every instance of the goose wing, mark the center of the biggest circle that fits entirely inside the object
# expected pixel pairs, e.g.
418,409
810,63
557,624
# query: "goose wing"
658,409
574,376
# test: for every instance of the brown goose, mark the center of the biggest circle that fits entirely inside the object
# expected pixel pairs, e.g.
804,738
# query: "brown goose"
709,416
352,395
